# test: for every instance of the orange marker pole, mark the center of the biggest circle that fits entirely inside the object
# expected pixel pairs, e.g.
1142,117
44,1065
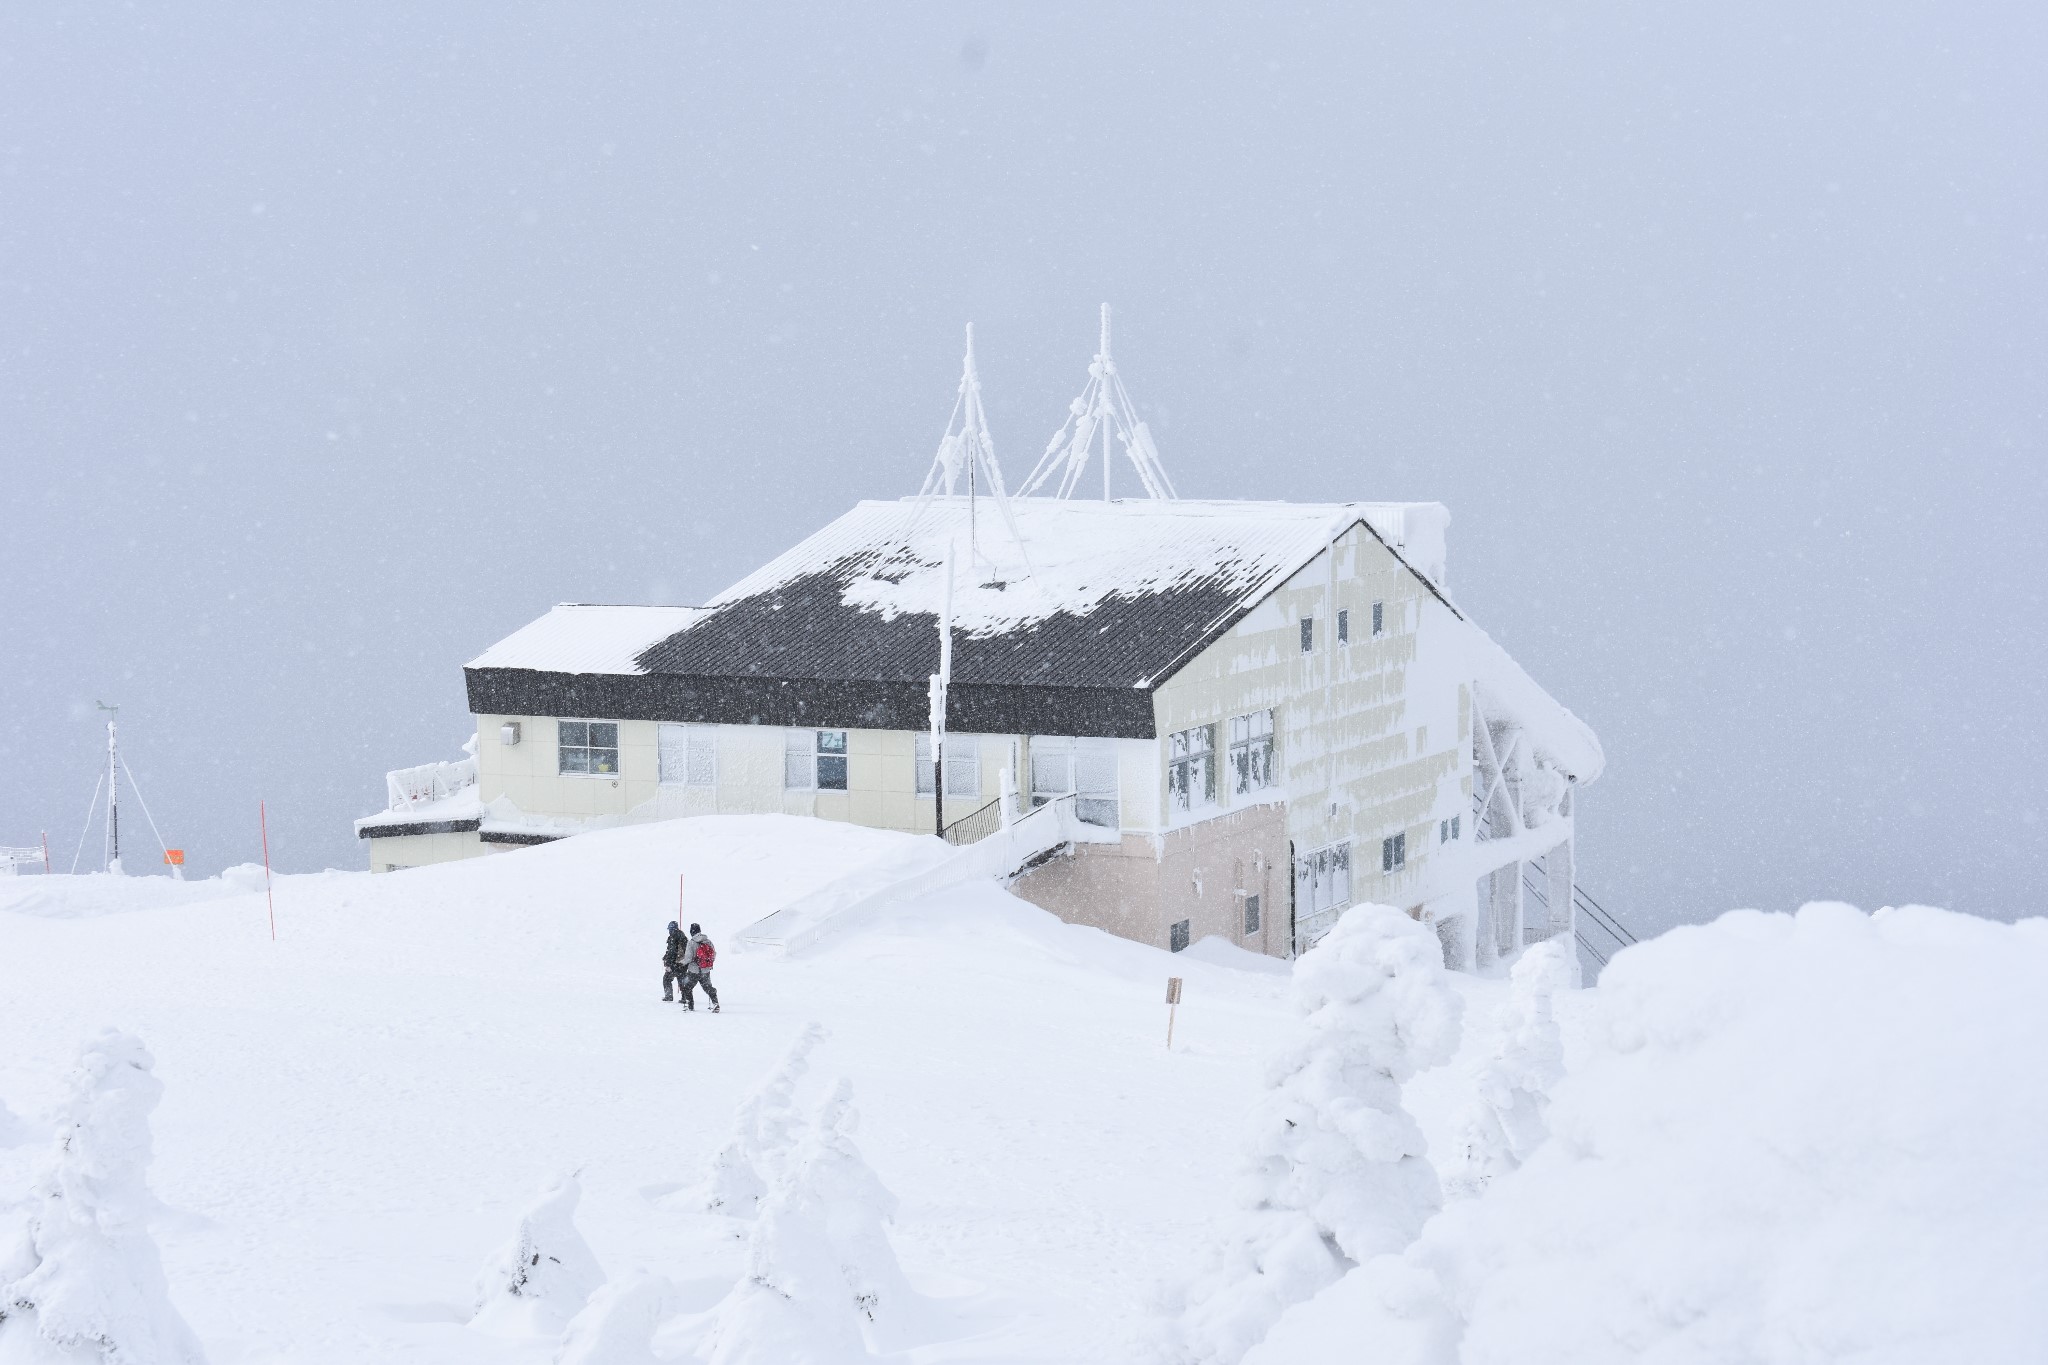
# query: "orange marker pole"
263,818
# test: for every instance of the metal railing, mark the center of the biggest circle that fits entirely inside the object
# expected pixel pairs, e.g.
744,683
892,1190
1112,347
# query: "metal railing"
408,788
1592,913
978,824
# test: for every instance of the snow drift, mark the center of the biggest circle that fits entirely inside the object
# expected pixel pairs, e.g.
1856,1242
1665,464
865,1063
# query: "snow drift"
1785,1138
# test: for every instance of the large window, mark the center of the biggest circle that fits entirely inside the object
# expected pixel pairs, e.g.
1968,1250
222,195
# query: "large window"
1394,853
588,746
1191,768
815,760
1322,880
1086,767
1251,752
689,756
963,765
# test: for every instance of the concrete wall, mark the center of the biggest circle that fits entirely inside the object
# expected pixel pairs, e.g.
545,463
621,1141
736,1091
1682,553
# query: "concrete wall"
1198,872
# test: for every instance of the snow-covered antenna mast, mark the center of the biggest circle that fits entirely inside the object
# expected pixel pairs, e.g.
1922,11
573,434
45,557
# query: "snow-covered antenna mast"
968,450
113,791
1104,409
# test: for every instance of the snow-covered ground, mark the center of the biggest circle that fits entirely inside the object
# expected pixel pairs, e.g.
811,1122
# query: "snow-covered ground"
1776,1139
355,1115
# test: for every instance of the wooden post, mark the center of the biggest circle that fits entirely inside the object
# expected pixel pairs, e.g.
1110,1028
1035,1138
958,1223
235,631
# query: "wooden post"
1172,1004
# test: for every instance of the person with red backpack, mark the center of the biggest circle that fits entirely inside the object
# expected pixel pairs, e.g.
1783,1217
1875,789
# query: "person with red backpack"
697,969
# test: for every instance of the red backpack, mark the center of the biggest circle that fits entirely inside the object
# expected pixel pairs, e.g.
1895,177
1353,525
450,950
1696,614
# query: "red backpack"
706,955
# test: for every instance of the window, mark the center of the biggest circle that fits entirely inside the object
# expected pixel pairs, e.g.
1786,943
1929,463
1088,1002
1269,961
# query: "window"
1394,853
963,765
1177,936
1443,831
1454,826
815,760
689,756
587,746
1251,752
1322,880
1251,915
1086,767
1308,634
1379,618
1344,627
1191,768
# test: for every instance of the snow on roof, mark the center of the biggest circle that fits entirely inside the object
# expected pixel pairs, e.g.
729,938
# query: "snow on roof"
1079,594
1074,554
1505,686
581,637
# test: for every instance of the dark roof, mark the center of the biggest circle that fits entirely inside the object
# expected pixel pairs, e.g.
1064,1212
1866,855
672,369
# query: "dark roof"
1068,636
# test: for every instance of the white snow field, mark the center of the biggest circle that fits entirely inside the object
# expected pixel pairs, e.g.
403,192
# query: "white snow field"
1776,1138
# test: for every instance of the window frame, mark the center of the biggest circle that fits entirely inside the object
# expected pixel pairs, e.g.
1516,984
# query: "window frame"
808,747
697,742
1393,853
1065,759
1181,768
563,748
1379,619
1308,634
1316,877
962,754
1178,935
1258,748
1343,625
1254,915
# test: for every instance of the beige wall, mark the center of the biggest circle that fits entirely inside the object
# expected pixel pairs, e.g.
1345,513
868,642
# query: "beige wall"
1373,737
749,762
417,850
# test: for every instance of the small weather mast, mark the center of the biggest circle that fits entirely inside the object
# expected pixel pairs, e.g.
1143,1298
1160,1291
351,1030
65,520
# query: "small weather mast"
1103,410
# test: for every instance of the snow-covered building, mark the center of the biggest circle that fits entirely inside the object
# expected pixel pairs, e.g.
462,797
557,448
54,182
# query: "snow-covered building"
1266,711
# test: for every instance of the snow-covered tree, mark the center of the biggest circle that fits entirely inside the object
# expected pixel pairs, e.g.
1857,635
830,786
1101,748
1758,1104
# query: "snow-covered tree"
1338,1172
82,1281
1511,1089
538,1281
819,1263
617,1326
765,1128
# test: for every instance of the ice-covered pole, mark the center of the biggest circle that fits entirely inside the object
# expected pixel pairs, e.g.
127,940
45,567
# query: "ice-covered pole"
113,792
939,682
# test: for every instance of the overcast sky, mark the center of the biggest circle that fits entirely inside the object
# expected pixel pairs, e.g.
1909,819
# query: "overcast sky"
338,341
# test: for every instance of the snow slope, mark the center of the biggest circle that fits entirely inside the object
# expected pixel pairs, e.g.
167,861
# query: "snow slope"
355,1116
1779,1139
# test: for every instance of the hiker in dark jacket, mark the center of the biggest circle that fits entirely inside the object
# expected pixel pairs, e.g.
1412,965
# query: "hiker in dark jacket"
674,958
697,969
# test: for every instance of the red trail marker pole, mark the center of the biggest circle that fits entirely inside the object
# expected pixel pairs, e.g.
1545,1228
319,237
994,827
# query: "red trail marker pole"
263,818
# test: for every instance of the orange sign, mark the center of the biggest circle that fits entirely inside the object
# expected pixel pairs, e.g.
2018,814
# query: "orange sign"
175,857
